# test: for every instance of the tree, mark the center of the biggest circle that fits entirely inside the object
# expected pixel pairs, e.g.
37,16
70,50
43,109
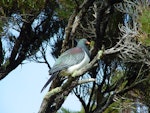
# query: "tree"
120,58
34,26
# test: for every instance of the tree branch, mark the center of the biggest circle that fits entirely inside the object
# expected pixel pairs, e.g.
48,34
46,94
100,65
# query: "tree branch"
66,88
74,22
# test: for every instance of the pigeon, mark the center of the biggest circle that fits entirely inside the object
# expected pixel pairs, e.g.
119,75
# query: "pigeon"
71,60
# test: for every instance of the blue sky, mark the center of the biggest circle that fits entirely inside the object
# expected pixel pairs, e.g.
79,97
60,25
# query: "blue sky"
20,90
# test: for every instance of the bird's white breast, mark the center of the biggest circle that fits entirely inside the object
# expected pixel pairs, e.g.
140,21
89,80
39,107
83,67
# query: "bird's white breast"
85,61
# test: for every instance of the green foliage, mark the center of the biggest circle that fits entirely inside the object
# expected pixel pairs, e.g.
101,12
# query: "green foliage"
82,110
64,110
144,19
66,7
144,95
22,6
118,76
25,25
119,106
25,8
1,22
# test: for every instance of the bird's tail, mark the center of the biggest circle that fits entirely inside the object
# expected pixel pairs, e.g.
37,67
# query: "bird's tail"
49,80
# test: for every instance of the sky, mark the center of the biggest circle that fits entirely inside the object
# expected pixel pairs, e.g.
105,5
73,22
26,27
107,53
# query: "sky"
20,90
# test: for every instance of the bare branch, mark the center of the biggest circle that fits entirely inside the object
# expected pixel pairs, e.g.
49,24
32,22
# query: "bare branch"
74,21
132,51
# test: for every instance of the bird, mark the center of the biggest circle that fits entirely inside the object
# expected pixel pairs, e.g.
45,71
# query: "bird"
71,60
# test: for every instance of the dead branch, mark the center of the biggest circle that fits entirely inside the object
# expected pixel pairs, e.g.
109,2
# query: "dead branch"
133,50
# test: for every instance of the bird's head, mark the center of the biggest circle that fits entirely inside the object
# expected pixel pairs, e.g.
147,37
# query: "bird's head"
84,43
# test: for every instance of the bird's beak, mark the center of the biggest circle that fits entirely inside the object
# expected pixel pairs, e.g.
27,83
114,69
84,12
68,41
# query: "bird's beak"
87,42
